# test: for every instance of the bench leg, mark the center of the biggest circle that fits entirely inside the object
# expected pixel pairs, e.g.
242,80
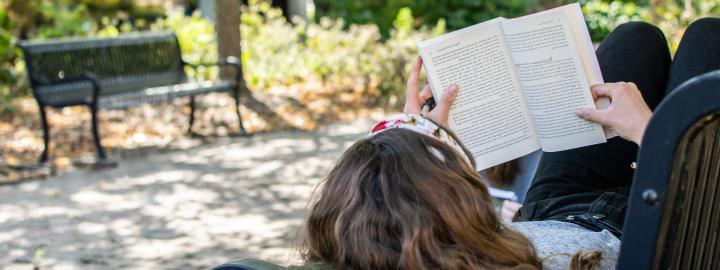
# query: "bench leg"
96,133
238,96
102,161
46,135
192,114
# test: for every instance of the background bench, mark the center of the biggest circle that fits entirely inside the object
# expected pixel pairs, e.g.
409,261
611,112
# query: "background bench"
111,73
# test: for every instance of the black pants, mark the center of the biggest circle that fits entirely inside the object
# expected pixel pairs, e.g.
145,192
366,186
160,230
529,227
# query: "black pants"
590,185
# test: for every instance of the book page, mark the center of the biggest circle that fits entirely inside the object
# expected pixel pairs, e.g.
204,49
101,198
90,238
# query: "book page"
586,50
553,79
489,115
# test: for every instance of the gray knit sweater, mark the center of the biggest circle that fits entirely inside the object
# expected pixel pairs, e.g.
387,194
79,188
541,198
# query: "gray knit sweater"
557,237
548,237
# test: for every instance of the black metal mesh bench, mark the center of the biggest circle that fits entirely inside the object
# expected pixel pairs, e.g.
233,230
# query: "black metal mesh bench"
673,217
111,73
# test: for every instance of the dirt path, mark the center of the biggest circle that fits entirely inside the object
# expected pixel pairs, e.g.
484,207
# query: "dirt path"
189,209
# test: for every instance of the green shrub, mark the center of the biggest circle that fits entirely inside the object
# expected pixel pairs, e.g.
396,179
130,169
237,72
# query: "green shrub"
603,16
11,82
197,40
673,16
456,13
276,52
60,19
370,59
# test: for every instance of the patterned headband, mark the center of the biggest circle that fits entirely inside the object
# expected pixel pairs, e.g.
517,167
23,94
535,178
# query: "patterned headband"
420,125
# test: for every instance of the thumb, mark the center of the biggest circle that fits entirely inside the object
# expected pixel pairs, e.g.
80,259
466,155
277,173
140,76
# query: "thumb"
443,108
594,115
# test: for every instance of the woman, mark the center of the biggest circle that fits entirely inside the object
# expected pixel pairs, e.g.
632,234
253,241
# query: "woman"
408,195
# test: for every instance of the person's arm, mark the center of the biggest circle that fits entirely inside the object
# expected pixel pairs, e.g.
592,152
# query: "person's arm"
628,114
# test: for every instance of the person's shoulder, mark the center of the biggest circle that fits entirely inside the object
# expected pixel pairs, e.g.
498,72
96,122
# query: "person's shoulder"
555,231
556,242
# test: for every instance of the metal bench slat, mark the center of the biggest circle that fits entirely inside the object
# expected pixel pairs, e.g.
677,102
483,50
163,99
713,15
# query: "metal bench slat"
163,93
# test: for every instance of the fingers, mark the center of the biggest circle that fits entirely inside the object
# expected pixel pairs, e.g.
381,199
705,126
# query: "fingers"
513,206
594,115
507,215
627,113
425,93
411,96
610,89
601,90
443,107
509,208
412,83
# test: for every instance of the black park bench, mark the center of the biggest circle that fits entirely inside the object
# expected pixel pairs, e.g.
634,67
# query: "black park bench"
113,73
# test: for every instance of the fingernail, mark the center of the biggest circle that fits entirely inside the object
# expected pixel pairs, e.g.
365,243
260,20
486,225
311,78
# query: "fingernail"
453,89
579,113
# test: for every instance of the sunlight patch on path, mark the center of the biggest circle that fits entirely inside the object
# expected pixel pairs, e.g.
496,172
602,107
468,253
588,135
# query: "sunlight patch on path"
189,209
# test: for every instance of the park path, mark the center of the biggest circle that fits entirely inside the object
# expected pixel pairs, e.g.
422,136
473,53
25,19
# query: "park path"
178,209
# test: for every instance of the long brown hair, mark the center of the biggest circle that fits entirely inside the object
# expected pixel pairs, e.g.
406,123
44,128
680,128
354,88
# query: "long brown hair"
503,174
403,200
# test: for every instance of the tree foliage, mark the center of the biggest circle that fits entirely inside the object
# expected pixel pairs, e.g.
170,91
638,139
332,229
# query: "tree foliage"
456,13
351,44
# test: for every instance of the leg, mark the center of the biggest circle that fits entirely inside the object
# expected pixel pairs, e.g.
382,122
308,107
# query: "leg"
697,53
634,52
192,113
46,134
637,52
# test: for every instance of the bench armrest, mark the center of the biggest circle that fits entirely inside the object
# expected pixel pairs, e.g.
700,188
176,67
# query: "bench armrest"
87,76
228,61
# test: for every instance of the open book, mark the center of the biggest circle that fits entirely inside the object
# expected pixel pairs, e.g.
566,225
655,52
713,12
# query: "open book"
521,81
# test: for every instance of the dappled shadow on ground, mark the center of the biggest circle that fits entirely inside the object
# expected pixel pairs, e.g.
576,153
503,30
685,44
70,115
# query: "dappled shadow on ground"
187,209
159,126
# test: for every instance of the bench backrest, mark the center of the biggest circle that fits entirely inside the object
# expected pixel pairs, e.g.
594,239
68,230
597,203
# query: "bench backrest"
673,218
122,64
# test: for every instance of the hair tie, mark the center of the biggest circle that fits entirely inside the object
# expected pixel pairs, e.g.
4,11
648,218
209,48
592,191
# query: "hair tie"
418,124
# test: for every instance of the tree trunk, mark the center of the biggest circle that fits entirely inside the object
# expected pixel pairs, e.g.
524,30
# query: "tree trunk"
22,15
227,24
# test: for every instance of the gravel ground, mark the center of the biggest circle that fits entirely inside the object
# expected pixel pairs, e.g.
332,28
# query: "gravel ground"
176,209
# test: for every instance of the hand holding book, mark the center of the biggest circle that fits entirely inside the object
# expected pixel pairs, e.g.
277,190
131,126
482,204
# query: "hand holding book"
415,99
628,114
